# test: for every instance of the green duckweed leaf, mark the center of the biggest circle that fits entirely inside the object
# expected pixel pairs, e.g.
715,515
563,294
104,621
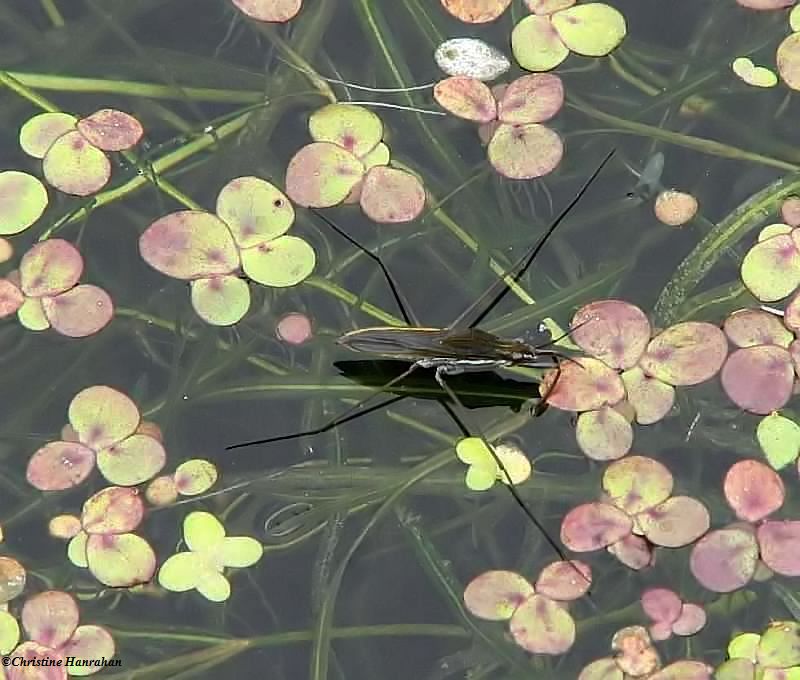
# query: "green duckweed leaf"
321,174
254,210
354,128
102,416
220,300
120,561
132,461
593,29
38,133
537,45
75,166
49,268
23,199
525,151
779,439
283,262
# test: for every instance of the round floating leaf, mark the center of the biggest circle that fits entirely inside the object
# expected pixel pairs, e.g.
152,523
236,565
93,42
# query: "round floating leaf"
692,620
779,648
120,561
650,398
584,384
276,11
685,670
516,464
791,318
593,526
635,653
725,560
744,646
64,526
476,11
113,510
31,315
38,657
604,434
161,491
678,521
12,579
75,166
380,155
748,327
390,196
80,312
195,476
49,268
759,379
495,595
102,416
541,626
780,546
284,262
294,328
240,551
111,130
593,29
50,618
675,208
189,244
773,230
350,126
11,298
771,268
661,604
9,633
531,99
23,199
637,483
525,151
765,5
758,76
602,669
220,300
60,465
76,550
779,439
132,461
180,572
614,331
254,210
202,531
537,45
548,6
89,643
38,133
466,98
686,353
321,175
790,208
633,551
471,57
559,580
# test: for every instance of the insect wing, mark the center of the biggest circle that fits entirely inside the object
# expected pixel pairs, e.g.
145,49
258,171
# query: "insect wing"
398,343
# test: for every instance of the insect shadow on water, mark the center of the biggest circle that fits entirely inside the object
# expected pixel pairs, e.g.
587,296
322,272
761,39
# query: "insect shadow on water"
459,348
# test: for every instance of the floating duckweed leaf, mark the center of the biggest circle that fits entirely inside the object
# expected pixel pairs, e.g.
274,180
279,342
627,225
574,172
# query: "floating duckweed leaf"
132,461
765,4
39,132
354,128
79,312
75,166
779,439
49,268
9,634
548,6
592,30
12,579
220,300
587,386
773,230
633,551
162,491
113,510
601,669
283,262
476,11
558,580
151,430
678,521
102,416
791,315
276,11
64,526
31,315
50,617
759,379
195,476
771,268
592,526
788,60
604,434
536,44
6,250
189,244
466,98
36,656
637,483
471,57
525,151
692,620
484,470
531,99
675,208
494,595
254,210
541,626
380,155
294,328
749,327
321,175
794,18
725,560
89,643
686,354
60,465
614,331
76,549
111,130
635,653
390,196
685,670
11,298
120,561
23,199
779,646
780,546
758,76
651,399
661,604
515,462
790,208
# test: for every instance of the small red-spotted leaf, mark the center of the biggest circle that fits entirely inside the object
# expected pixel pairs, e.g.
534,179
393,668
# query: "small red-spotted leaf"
495,595
584,384
254,210
120,561
614,331
49,268
50,618
749,327
541,626
686,354
75,166
650,398
678,521
661,604
724,560
592,526
637,483
604,434
771,268
467,98
525,151
132,461
691,621
391,196
759,379
60,465
38,133
559,580
322,174
753,490
102,416
531,99
111,130
82,311
113,510
780,546
220,300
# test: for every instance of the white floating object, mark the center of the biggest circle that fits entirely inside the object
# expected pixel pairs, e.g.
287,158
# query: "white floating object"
471,57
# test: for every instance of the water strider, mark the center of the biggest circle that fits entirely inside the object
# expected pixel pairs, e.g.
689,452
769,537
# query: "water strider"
461,347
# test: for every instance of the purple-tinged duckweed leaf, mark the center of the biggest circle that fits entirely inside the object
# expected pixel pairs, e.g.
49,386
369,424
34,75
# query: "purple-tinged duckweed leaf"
111,130
467,98
531,99
220,300
321,175
476,11
692,620
661,604
633,551
38,133
771,268
686,354
354,128
102,416
753,490
294,328
541,626
11,298
592,526
75,166
525,151
113,510
590,385
790,211
558,580
132,461
23,199
195,476
678,521
60,465
495,595
50,618
759,379
637,483
604,434
254,210
391,196
725,560
749,327
121,560
650,398
780,546
89,643
77,313
773,230
49,268
273,11
614,331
